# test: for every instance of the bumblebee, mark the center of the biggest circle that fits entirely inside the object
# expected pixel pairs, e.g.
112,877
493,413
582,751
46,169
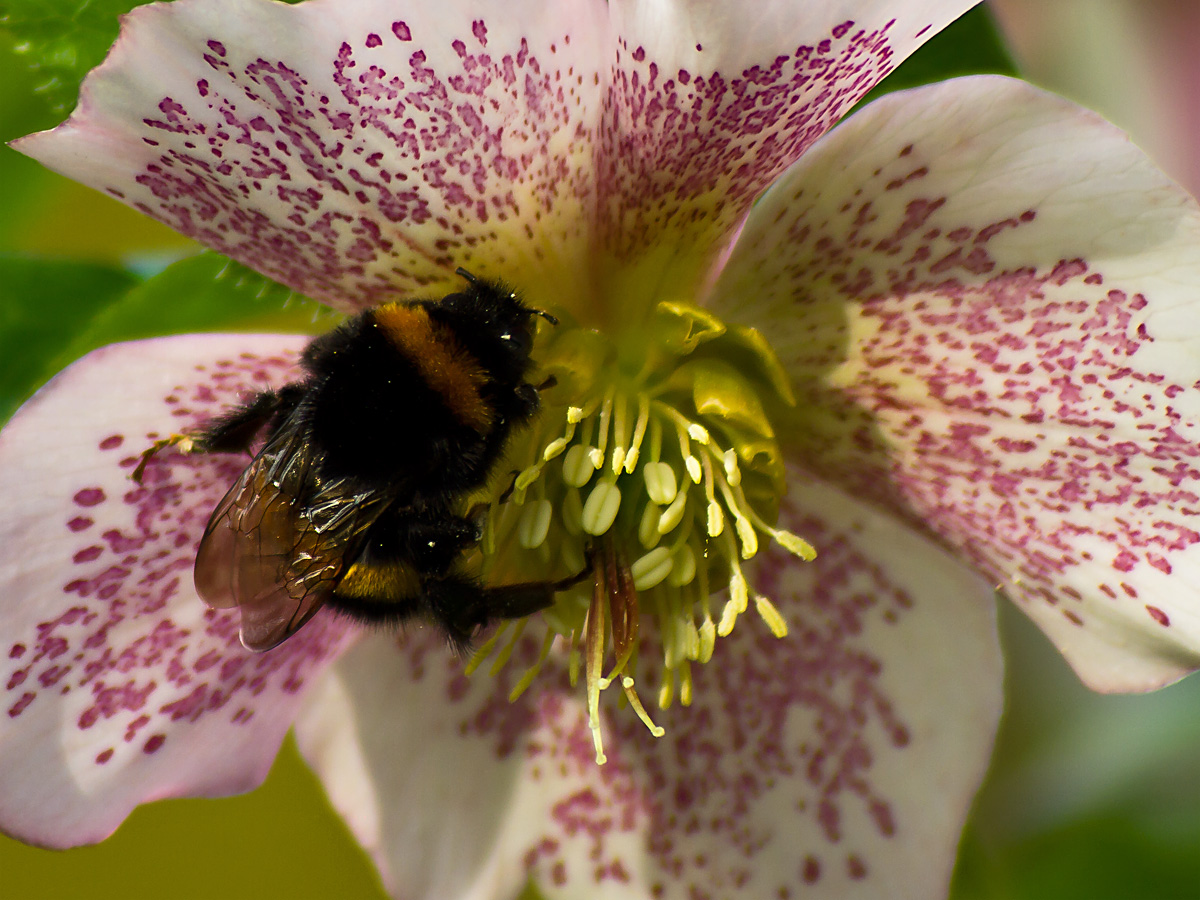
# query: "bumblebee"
354,500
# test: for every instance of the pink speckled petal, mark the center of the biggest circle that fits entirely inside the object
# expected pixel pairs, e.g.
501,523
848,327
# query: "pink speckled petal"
837,762
989,301
117,685
349,148
709,103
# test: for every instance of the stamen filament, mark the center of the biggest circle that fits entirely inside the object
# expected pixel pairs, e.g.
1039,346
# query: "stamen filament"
620,433
792,543
606,410
506,651
742,525
531,673
485,650
639,432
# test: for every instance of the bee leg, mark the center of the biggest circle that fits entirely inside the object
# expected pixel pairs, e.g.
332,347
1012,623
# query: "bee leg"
231,432
235,431
461,606
526,401
512,486
515,601
185,443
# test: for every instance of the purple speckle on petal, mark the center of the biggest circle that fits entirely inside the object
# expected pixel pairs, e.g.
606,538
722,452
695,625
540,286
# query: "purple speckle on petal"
89,497
19,707
87,554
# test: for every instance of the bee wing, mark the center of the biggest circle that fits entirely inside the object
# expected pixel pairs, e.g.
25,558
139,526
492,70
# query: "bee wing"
278,541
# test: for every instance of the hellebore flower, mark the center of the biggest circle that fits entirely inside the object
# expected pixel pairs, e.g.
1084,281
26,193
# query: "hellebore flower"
951,345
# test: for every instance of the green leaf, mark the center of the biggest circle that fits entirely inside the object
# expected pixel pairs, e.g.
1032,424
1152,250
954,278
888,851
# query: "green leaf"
52,312
202,293
61,40
44,305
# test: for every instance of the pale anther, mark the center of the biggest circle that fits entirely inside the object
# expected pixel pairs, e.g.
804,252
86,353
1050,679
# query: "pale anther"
673,514
685,683
572,512
577,468
648,532
795,545
620,432
729,616
660,482
534,523
601,507
649,570
684,569
746,534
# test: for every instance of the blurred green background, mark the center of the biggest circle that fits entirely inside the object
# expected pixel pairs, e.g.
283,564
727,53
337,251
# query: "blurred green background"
1089,797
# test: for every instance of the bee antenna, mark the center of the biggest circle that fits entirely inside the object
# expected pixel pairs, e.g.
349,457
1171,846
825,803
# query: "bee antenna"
463,273
553,320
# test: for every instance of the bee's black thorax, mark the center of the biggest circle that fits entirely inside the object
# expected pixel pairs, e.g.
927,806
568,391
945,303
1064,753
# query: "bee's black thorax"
423,393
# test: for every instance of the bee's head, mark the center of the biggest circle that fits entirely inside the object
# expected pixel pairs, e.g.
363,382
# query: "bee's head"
499,328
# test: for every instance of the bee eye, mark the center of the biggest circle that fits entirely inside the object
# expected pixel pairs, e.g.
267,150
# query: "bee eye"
520,339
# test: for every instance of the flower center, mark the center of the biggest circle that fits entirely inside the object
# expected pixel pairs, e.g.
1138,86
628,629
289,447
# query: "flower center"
653,467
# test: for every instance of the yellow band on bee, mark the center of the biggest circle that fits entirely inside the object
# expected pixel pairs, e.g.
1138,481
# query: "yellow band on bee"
444,364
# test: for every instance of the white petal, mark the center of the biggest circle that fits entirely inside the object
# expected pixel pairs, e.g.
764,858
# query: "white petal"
118,685
988,300
838,762
350,150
